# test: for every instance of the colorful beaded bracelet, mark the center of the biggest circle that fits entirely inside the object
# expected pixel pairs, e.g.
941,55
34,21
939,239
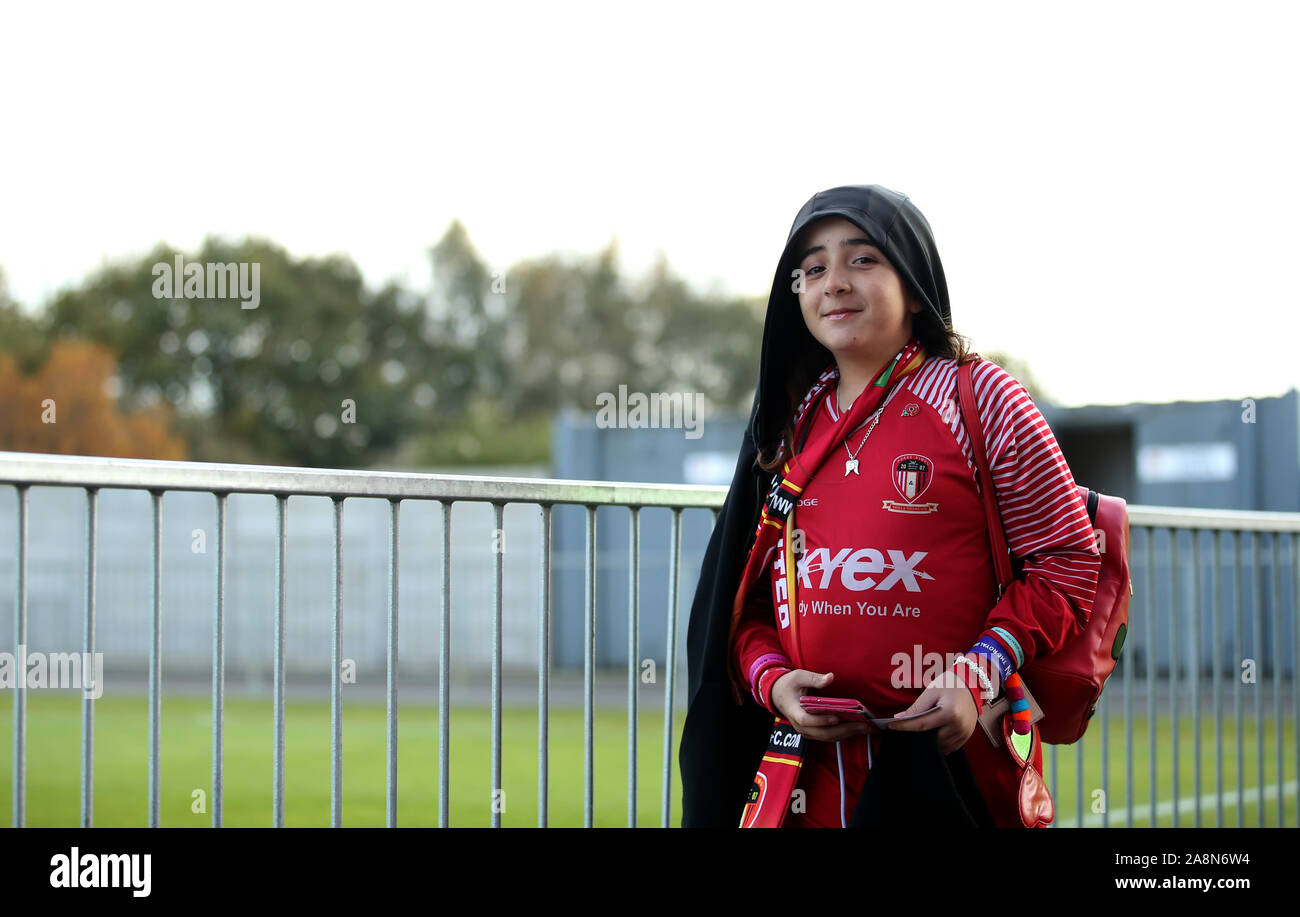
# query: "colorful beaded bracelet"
1020,714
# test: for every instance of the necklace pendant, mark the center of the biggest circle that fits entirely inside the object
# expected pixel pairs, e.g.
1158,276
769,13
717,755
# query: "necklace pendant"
851,465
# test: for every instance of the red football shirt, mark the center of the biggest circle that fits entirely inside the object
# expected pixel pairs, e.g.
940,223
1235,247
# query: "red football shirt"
896,577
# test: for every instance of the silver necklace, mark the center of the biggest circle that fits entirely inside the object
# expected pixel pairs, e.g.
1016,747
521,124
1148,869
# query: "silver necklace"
852,463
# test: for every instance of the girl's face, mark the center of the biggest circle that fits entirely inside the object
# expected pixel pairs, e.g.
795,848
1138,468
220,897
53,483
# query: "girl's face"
853,301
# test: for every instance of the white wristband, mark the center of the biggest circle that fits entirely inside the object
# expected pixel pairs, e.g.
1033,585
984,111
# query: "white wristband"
986,686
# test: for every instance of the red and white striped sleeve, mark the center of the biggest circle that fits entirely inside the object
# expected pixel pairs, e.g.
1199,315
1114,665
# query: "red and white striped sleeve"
1044,518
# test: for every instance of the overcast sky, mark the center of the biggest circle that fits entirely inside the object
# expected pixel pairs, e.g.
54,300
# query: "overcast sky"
1113,186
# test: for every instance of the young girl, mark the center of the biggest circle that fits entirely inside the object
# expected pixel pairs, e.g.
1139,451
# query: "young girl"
867,572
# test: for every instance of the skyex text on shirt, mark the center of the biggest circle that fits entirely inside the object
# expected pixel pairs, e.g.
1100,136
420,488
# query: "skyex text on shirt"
856,564
102,870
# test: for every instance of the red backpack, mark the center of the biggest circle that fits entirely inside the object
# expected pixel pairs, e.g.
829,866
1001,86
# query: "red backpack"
1068,683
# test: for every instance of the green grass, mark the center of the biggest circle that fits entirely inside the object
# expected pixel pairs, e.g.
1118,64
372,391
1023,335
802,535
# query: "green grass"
122,763
122,749
1066,795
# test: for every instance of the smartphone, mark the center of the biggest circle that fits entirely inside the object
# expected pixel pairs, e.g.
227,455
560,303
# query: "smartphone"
846,708
852,711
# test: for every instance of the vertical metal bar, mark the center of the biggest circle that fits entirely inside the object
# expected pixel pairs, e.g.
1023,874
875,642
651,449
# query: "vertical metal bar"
1196,673
336,695
588,650
498,551
1277,675
671,662
155,667
88,641
1173,664
20,681
543,674
1078,782
277,791
1257,647
444,674
1056,770
633,630
1152,648
1126,662
1216,579
1104,713
1239,650
1295,660
390,792
219,663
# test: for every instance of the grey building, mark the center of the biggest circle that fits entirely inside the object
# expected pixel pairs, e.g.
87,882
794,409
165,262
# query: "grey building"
1210,454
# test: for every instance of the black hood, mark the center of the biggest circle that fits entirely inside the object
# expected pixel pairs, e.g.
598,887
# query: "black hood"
722,740
898,229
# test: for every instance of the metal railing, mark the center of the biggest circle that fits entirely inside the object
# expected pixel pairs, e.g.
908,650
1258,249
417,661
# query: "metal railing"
1195,648
93,474
1147,642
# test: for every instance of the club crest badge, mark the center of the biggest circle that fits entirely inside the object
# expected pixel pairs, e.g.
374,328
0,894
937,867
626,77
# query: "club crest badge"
911,474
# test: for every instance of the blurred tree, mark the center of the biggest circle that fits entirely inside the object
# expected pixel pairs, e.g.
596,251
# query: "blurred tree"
322,373
21,336
467,308
327,373
704,345
1019,370
585,330
577,336
65,407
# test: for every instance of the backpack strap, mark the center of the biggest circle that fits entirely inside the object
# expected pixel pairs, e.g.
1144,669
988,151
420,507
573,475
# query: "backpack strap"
974,430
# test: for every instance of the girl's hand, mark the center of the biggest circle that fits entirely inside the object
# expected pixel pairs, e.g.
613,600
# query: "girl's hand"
956,717
785,698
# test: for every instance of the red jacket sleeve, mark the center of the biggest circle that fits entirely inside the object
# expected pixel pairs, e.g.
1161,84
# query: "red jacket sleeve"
757,650
1044,518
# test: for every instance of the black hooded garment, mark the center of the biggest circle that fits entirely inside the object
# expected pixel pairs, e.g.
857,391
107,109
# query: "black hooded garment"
722,741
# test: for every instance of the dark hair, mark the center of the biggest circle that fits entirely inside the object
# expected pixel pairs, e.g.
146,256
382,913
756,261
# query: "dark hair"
937,339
